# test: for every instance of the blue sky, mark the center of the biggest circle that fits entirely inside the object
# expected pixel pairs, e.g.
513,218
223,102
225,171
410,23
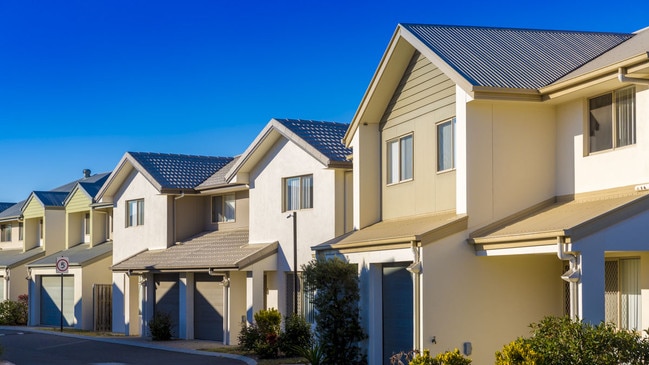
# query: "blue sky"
83,81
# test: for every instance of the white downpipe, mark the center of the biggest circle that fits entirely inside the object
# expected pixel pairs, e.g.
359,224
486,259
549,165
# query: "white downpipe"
622,76
572,276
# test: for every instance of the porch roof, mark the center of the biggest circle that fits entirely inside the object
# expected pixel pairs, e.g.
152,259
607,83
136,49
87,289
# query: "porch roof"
398,233
13,258
78,255
572,217
205,251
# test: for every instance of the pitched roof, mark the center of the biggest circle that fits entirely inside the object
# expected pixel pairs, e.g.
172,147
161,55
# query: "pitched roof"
51,198
570,217
90,179
424,228
207,250
174,171
78,255
326,137
12,258
218,178
13,212
513,58
5,206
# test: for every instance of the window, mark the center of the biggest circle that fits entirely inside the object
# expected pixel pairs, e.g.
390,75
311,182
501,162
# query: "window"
223,208
622,297
305,297
86,224
135,212
298,192
400,167
21,230
612,120
5,233
446,145
41,229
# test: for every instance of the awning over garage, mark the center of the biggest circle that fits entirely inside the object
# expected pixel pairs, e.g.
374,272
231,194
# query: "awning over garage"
570,217
220,250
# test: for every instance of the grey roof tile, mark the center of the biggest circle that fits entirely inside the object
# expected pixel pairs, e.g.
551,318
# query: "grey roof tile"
218,178
174,171
13,211
13,258
326,137
207,250
513,58
78,255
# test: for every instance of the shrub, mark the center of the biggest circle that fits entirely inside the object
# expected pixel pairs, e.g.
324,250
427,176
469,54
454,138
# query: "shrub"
560,340
312,354
160,326
297,334
337,294
14,313
248,337
263,336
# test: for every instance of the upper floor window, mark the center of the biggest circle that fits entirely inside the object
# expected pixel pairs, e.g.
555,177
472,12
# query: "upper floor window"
612,120
399,155
298,192
5,233
135,212
446,145
223,208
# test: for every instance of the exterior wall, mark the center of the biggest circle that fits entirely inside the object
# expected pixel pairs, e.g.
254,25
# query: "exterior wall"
96,273
15,242
189,219
241,210
153,234
236,305
367,174
579,172
54,234
79,202
510,158
424,98
17,284
466,297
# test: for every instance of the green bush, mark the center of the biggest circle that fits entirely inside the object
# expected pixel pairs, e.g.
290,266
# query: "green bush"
14,313
297,334
337,294
263,336
561,341
445,358
268,321
248,337
160,327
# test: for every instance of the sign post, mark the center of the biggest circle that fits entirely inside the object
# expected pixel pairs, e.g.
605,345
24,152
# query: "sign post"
62,265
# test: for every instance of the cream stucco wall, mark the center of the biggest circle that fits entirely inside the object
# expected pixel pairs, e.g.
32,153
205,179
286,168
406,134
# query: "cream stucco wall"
578,172
97,272
510,158
16,242
366,175
154,233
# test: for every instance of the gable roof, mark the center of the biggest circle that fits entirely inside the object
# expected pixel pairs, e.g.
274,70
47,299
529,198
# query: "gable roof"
206,251
90,179
165,171
218,178
513,58
78,255
49,199
320,139
91,188
13,212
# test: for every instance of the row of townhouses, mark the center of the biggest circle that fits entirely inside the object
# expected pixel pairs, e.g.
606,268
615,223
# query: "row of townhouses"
490,177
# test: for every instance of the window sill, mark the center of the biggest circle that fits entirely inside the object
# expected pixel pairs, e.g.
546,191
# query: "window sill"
399,182
610,150
442,172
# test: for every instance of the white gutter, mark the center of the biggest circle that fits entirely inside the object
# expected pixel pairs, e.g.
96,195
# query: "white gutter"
622,76
572,276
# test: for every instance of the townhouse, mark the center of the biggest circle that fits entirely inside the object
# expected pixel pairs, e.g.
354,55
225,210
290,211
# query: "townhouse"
499,177
13,255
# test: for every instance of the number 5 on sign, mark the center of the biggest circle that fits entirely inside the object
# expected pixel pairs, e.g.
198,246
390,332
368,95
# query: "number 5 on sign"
62,265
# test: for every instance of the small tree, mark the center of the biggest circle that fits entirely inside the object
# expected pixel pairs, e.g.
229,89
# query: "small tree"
337,294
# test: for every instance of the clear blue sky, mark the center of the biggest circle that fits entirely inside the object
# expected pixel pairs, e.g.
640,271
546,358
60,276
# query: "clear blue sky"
83,81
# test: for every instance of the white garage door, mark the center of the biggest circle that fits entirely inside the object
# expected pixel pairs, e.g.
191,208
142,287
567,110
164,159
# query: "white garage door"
51,300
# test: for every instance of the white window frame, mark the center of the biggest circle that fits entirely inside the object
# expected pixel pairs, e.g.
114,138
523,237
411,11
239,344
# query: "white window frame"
398,168
134,212
220,211
618,112
441,151
5,232
304,197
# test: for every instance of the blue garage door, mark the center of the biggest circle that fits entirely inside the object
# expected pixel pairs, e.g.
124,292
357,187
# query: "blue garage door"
397,310
51,300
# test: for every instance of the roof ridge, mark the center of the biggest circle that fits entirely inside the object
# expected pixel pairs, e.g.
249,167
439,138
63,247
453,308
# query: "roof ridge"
174,154
517,28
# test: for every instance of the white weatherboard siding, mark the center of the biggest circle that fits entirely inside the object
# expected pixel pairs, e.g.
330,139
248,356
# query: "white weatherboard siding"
153,234
578,172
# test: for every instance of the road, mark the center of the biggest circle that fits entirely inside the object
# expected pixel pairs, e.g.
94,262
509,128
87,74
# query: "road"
28,348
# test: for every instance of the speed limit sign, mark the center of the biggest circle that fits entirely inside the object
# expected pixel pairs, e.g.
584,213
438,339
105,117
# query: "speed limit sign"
62,265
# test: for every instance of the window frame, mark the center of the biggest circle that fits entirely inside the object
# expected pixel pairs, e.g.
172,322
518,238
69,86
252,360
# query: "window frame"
139,213
5,232
215,214
452,121
615,106
301,195
389,158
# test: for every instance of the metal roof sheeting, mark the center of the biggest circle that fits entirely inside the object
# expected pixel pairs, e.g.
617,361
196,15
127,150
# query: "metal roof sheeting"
513,58
51,198
12,258
78,255
5,206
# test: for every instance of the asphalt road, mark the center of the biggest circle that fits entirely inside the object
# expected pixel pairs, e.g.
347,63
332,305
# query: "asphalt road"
28,348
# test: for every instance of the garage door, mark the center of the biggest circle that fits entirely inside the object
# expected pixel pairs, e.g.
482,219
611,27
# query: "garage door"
397,311
167,292
51,300
208,307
